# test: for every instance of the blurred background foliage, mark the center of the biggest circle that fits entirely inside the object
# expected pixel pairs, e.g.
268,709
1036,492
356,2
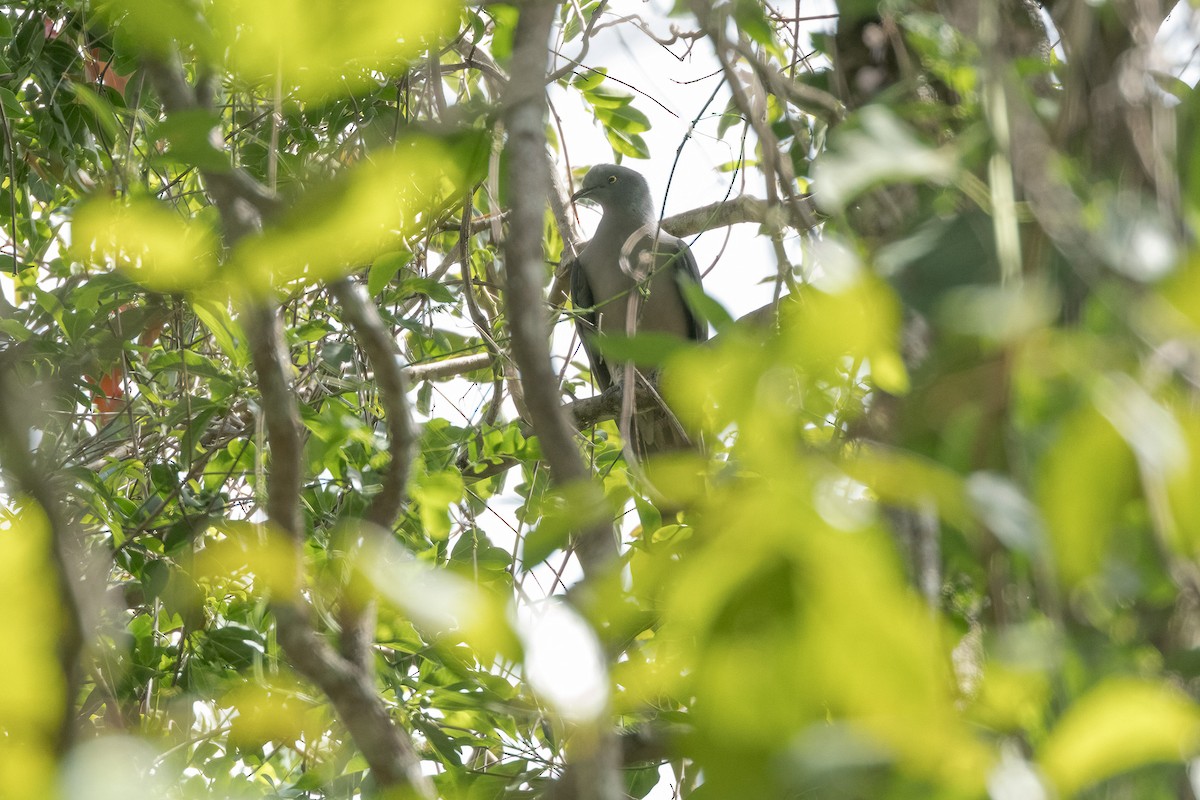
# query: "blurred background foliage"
941,542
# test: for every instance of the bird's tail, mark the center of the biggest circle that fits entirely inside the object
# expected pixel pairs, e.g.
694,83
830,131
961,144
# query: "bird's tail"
655,430
648,424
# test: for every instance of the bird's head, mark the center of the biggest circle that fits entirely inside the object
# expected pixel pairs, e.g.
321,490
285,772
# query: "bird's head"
616,189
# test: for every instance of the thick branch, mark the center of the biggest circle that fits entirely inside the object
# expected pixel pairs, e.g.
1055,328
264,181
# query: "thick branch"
447,369
384,357
388,749
357,621
592,774
264,331
528,178
743,208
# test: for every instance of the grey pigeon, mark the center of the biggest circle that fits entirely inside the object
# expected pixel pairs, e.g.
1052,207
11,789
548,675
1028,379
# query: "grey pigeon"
631,256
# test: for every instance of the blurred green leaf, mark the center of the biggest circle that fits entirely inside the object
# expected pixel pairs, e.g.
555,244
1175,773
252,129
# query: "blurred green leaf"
878,149
190,137
645,349
1120,725
750,18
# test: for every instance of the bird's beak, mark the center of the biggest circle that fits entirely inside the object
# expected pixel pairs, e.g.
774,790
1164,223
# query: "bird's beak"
582,193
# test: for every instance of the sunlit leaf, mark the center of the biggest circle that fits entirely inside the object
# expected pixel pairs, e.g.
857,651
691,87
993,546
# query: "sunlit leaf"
1086,479
1006,511
148,241
349,222
749,16
326,47
154,26
998,313
570,509
624,144
122,765
225,329
906,480
435,494
588,79
261,555
705,306
624,118
268,714
1120,725
830,330
31,679
440,602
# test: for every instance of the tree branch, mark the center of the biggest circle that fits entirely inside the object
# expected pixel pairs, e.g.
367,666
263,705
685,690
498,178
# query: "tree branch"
437,370
528,179
387,748
349,684
743,208
384,357
592,772
357,620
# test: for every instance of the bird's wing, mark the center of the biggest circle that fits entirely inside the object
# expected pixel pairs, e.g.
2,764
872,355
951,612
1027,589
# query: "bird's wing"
586,323
686,269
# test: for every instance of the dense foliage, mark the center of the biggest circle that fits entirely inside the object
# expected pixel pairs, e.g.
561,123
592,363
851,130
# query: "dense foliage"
265,404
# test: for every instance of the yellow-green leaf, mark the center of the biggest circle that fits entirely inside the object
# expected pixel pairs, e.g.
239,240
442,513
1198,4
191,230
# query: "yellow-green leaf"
1120,725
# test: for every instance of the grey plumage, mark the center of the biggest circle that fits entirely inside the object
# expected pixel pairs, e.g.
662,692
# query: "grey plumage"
628,256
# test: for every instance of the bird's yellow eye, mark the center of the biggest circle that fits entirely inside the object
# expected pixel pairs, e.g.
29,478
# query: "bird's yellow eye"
612,178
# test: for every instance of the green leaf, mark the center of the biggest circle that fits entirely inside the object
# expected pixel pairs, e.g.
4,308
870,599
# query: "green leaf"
225,330
189,135
631,145
751,19
543,540
234,645
604,96
1120,725
879,149
567,509
385,268
504,19
1087,476
588,79
639,782
649,349
15,329
101,108
427,286
575,23
704,306
624,118
434,494
12,106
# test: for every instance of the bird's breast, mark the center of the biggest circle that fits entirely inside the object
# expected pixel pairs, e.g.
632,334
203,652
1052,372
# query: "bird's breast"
659,303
